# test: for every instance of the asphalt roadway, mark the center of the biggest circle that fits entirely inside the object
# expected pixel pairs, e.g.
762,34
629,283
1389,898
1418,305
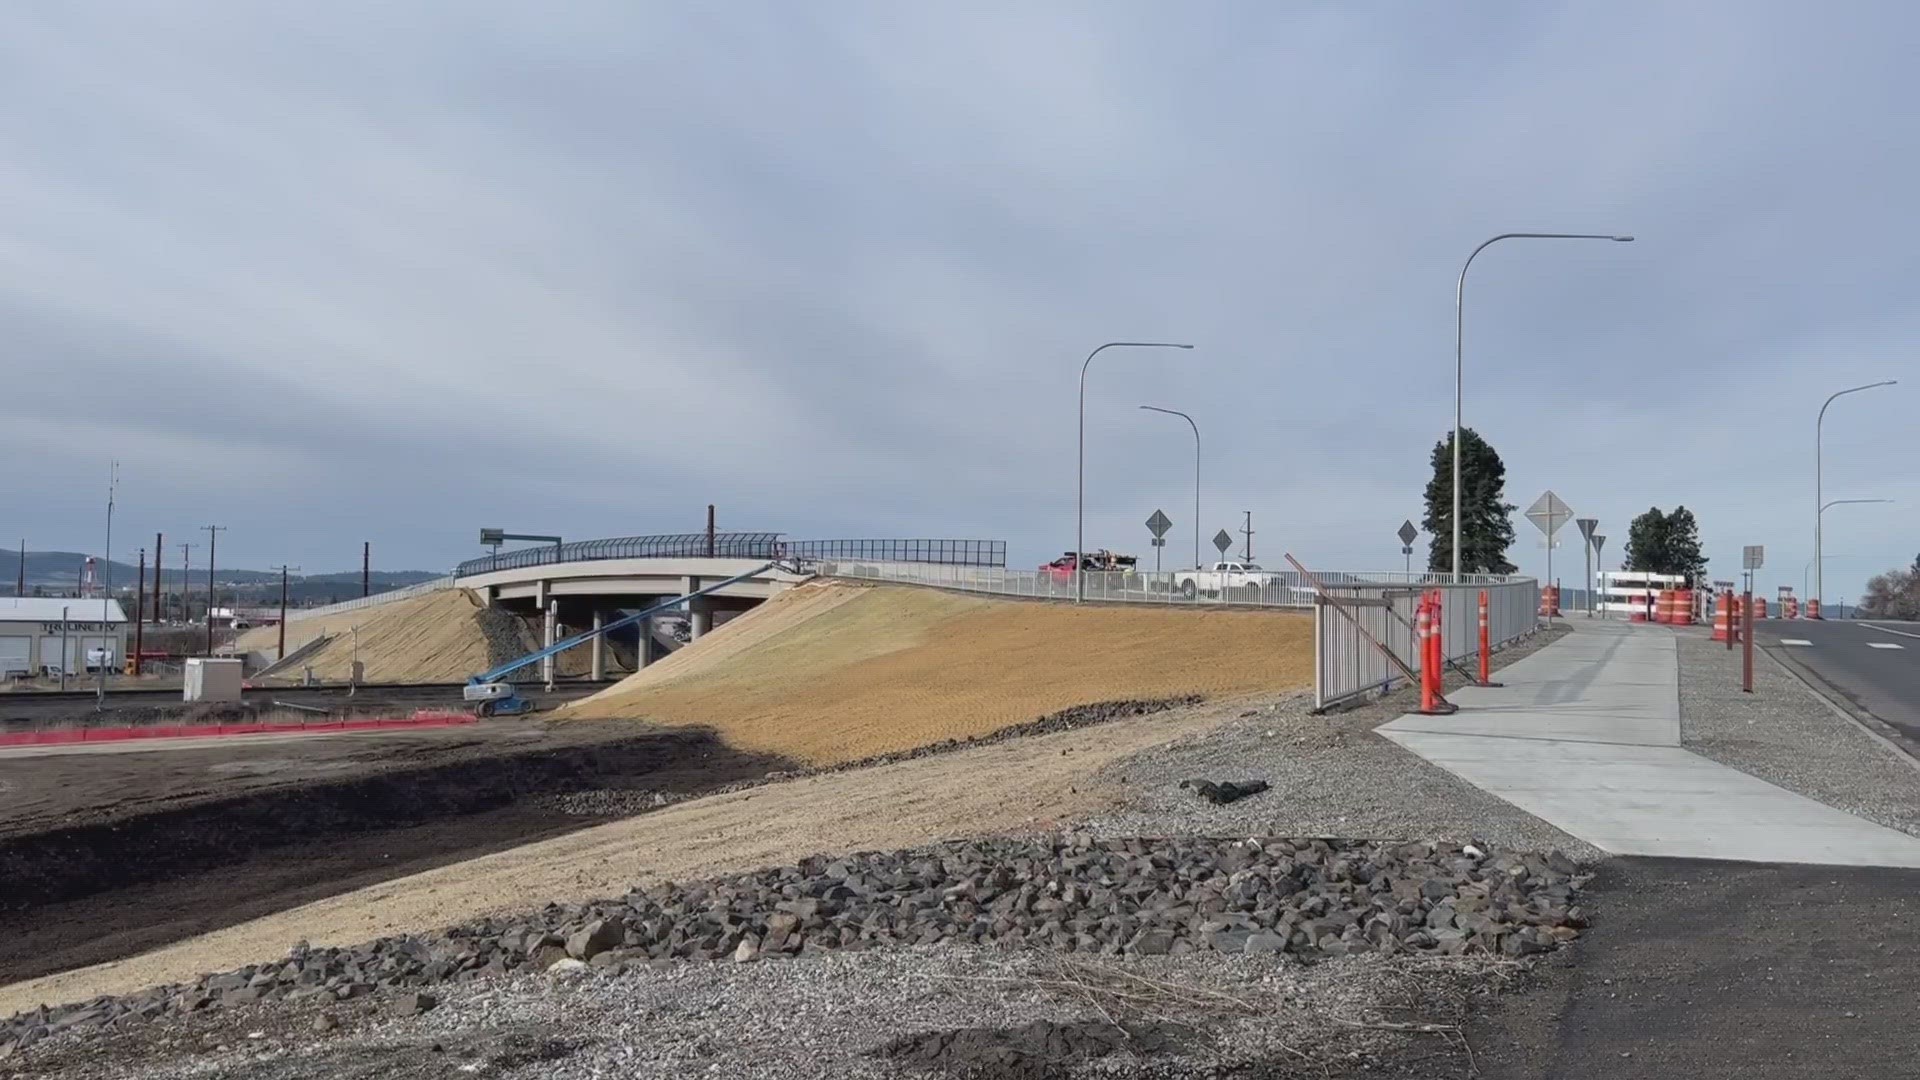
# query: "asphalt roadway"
1871,665
1722,971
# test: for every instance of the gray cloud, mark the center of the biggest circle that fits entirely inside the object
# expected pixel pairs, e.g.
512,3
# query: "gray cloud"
351,272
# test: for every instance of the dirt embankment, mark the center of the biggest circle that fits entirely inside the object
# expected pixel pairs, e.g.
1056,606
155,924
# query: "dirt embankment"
442,636
833,672
1025,785
120,883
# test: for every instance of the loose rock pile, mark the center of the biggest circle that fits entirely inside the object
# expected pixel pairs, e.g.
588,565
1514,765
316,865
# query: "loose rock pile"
1072,893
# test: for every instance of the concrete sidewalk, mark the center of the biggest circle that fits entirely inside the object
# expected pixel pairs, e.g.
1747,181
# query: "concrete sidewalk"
1586,735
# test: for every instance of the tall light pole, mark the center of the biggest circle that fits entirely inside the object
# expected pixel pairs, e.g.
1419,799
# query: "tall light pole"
1819,560
1819,586
1196,474
1459,351
1080,500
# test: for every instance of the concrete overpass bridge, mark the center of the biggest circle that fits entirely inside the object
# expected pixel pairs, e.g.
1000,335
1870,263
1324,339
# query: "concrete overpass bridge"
584,584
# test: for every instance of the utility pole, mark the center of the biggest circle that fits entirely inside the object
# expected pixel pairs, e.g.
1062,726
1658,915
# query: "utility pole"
139,609
186,582
366,561
213,537
20,583
106,592
1246,554
157,549
282,655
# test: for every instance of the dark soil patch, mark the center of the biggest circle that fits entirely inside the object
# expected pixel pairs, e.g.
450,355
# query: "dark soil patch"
96,892
1040,1050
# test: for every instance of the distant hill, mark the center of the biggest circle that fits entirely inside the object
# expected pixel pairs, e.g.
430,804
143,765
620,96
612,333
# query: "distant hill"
57,572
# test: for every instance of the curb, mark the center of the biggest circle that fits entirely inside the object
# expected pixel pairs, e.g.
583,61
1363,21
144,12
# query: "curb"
1869,725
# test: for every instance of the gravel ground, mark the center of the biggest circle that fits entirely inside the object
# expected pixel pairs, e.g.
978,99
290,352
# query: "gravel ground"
1329,775
1785,735
829,1016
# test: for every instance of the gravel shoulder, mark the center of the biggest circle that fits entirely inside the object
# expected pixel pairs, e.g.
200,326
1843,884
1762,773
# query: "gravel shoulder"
833,1016
1786,735
1330,775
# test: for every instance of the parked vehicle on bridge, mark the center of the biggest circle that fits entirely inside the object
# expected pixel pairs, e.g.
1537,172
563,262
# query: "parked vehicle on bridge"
1093,562
1230,577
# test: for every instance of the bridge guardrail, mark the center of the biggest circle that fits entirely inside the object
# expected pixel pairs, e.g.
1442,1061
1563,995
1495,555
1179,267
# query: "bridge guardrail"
294,615
741,545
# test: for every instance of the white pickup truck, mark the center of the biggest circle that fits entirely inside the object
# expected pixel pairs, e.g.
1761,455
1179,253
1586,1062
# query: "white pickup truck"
1232,578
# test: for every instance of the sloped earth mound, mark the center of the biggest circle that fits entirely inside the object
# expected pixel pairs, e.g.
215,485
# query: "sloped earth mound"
1069,894
832,672
438,637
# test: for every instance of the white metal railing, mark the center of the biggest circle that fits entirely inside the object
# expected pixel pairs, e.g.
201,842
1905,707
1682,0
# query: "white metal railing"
1347,664
1264,588
375,600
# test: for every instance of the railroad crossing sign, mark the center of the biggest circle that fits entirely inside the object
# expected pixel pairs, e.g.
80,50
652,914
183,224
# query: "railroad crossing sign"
1548,513
1223,540
1158,525
1753,556
1407,534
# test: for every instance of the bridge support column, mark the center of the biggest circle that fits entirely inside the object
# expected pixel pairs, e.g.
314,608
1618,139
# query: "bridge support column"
599,647
547,636
699,617
643,652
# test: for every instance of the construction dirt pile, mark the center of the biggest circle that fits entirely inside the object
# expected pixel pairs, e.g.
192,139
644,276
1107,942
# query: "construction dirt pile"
834,672
442,636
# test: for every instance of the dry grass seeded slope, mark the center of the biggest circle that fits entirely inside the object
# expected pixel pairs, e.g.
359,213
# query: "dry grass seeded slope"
437,637
834,672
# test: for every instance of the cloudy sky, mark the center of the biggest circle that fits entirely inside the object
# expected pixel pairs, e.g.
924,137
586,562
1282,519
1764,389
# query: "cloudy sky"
326,273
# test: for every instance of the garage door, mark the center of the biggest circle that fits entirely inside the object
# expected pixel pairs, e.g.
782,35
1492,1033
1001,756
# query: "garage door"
50,652
16,655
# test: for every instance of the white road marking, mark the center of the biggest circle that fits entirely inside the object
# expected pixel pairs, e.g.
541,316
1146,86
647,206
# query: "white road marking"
1890,630
1885,645
1794,641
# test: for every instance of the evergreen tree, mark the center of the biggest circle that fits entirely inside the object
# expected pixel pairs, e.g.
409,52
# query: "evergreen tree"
1666,544
1647,543
1486,527
1683,547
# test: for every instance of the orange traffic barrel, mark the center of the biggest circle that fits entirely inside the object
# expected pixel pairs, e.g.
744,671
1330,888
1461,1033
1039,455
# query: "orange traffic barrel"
1759,608
1813,608
1723,617
1683,607
1790,608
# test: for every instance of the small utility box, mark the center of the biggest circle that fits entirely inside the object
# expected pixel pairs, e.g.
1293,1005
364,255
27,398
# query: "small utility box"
212,679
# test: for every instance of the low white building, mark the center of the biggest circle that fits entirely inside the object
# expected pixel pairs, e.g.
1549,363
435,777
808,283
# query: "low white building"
33,628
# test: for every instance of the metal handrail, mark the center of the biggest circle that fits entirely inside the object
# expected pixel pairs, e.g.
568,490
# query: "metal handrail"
744,545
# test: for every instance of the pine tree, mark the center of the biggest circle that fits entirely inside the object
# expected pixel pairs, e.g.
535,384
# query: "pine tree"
1683,547
1486,527
1666,544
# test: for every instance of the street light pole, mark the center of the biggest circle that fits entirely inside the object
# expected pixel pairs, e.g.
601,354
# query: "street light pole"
1819,560
1196,474
1459,351
1819,585
1080,499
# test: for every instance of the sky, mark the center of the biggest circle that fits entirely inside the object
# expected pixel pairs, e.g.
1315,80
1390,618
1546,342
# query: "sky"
360,271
